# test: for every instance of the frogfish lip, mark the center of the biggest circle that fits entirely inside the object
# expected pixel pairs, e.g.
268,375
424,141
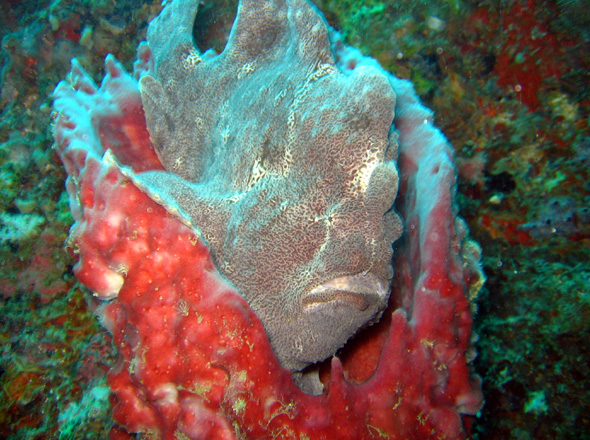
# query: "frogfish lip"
359,291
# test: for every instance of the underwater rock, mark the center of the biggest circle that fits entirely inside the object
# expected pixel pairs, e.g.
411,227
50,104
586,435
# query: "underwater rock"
560,216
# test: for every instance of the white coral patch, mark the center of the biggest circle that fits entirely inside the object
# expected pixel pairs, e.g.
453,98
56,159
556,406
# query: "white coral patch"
17,227
113,282
167,394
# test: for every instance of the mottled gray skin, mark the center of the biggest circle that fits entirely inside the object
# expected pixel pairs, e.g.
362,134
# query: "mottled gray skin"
285,164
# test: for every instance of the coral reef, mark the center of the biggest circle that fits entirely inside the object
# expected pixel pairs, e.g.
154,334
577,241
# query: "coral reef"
513,160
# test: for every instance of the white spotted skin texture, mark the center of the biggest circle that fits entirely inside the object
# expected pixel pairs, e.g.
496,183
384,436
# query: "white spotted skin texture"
284,163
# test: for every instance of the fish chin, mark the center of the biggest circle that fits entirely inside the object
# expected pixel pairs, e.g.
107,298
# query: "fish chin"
331,313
